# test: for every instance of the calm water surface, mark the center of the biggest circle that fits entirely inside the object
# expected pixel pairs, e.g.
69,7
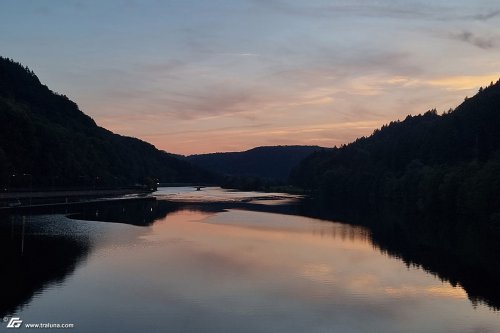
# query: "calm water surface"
233,270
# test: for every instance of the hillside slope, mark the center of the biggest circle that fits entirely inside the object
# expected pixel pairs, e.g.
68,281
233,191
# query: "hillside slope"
427,165
45,140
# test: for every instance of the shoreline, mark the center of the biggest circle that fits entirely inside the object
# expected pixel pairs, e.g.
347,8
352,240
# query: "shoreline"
13,201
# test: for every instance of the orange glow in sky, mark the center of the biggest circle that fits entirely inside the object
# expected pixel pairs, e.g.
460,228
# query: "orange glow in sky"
195,77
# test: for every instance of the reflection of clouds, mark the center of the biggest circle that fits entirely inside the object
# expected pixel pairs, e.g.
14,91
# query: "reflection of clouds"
258,272
321,273
217,263
443,290
365,282
331,261
269,225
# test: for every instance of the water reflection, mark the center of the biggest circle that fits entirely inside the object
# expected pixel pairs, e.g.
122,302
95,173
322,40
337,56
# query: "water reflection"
463,255
41,251
247,271
33,259
140,212
245,267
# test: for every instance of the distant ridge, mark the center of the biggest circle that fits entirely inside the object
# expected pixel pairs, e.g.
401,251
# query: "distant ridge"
268,162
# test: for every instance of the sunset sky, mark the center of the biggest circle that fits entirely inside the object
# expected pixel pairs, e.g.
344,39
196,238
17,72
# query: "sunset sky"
227,75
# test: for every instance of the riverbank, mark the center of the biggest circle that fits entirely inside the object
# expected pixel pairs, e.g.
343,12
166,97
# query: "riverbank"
31,199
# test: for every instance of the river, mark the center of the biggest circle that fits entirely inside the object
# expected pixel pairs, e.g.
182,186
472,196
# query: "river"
220,261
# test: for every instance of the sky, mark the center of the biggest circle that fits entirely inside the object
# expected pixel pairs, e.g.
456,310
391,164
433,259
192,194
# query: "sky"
228,75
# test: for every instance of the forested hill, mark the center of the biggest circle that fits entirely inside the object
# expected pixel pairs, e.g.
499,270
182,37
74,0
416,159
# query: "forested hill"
47,141
427,165
272,162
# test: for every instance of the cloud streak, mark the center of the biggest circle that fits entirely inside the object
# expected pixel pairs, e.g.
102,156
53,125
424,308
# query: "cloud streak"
228,75
485,43
485,16
356,8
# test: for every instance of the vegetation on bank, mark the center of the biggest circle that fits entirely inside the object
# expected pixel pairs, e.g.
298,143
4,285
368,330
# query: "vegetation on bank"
433,167
45,141
246,183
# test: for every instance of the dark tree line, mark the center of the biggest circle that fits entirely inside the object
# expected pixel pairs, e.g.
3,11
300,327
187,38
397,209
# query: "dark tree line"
259,165
431,167
45,140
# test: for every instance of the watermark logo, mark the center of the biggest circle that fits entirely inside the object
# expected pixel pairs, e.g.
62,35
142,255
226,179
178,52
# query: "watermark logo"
14,322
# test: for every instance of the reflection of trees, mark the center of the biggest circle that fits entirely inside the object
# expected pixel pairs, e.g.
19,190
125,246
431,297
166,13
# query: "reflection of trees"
466,256
33,259
461,254
134,212
33,262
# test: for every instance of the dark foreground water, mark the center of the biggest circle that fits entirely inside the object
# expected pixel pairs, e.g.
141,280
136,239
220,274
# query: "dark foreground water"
219,268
